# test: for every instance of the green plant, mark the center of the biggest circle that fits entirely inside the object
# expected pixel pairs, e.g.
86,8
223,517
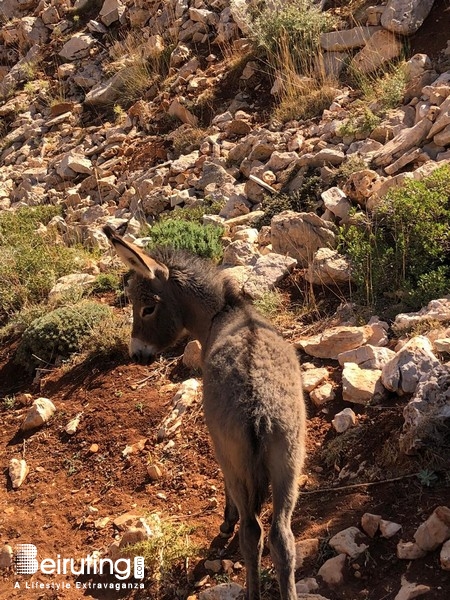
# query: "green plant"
8,402
298,102
107,282
362,122
31,261
195,212
204,240
427,478
402,251
186,139
305,199
352,164
165,550
296,25
59,334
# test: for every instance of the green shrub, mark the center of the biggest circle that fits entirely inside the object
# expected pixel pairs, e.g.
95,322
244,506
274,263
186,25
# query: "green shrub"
204,240
294,25
165,551
59,333
195,212
107,282
305,199
403,251
31,262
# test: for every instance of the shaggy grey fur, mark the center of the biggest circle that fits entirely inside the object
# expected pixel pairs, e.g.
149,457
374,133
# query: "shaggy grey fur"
252,393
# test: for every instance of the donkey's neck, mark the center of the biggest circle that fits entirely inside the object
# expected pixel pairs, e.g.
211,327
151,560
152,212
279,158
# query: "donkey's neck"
202,299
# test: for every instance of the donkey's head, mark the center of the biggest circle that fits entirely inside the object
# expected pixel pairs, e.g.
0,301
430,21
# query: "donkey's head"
157,323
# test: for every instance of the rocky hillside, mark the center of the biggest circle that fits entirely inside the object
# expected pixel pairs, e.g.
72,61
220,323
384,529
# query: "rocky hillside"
322,175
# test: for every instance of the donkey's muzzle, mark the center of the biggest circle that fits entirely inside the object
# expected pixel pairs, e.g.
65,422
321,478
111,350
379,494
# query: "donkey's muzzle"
142,353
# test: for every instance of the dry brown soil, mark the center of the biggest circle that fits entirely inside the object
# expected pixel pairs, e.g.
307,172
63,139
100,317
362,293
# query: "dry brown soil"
123,403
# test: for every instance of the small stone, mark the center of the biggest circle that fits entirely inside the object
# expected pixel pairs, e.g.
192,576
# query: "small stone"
192,357
408,591
388,528
154,472
215,566
224,591
445,556
436,529
72,425
409,551
40,412
101,523
227,565
349,541
93,448
18,470
344,420
332,570
370,523
6,557
126,520
322,394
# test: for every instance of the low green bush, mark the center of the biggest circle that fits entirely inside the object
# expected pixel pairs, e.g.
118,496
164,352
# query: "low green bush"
31,262
59,333
305,199
403,249
204,240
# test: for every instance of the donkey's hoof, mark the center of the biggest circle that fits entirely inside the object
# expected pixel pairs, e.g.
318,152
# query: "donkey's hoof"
225,532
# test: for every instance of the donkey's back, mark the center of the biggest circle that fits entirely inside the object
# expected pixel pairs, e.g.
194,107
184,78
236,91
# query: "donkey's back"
255,413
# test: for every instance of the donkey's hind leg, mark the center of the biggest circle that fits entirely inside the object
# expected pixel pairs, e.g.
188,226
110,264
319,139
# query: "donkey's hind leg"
281,538
230,516
251,543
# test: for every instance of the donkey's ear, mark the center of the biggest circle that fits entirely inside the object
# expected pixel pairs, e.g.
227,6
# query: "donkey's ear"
135,258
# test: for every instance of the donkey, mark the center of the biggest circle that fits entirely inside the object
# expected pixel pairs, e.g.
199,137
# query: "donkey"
252,393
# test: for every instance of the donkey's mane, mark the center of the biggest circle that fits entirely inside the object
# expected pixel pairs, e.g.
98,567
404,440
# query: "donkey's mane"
189,269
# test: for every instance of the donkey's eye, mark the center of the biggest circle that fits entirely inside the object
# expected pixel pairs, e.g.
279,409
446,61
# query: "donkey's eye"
148,310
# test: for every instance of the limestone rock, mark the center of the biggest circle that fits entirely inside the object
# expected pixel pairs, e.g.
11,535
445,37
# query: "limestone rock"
70,282
403,372
305,549
361,185
346,38
18,470
40,412
335,200
311,378
343,420
428,412
405,16
435,310
435,530
383,46
328,267
334,341
367,357
322,394
78,46
350,541
299,235
444,556
223,591
240,252
388,528
267,272
370,523
192,355
361,385
411,590
409,551
183,399
332,570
